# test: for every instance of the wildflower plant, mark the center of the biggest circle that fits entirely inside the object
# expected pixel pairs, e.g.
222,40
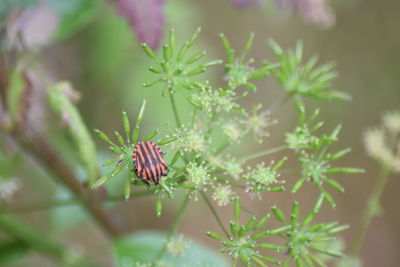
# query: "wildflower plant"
201,167
305,80
124,148
382,143
315,160
243,241
304,241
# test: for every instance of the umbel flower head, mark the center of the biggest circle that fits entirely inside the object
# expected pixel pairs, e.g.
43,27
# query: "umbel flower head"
383,143
264,179
306,243
210,100
243,243
233,131
227,164
391,121
316,162
198,175
176,68
177,246
239,71
304,80
192,139
124,148
257,122
223,195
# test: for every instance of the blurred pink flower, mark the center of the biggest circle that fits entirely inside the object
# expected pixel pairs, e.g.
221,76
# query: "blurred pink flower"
244,3
32,27
146,17
314,11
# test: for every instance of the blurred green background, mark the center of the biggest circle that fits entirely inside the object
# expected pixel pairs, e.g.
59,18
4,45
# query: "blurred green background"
106,66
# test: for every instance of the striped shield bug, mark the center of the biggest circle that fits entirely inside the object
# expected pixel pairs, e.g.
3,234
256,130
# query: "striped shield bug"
149,163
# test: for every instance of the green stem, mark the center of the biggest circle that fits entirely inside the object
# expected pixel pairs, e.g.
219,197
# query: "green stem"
224,180
30,236
26,234
280,103
221,148
175,110
174,227
371,210
208,202
246,210
56,203
42,205
44,152
136,194
263,153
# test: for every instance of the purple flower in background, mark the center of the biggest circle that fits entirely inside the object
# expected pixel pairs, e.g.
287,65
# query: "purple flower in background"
146,17
245,3
314,11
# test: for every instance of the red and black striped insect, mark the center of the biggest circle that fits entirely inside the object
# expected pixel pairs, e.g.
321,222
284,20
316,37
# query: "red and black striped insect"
149,162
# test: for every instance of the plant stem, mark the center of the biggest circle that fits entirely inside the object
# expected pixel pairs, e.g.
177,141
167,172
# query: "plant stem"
246,210
50,159
208,202
56,203
26,234
221,148
371,210
32,237
175,110
137,194
263,153
174,227
278,104
225,179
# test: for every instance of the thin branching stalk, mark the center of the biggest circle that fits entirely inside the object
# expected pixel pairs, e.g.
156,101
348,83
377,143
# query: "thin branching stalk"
174,227
371,211
280,103
263,153
175,110
58,203
50,204
214,212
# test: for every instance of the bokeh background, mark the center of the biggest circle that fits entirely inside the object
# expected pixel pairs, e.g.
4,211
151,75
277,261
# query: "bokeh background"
106,66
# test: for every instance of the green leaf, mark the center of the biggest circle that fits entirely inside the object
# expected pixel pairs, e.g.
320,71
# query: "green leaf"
236,209
215,236
126,124
278,214
247,46
225,42
15,92
142,247
8,164
344,170
275,48
159,206
60,103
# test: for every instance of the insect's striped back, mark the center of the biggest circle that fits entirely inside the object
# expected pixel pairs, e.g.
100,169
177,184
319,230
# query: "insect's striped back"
149,162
